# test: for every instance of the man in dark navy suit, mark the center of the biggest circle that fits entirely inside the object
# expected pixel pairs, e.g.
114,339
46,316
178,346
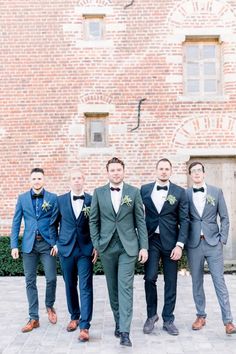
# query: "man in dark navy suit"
167,220
76,252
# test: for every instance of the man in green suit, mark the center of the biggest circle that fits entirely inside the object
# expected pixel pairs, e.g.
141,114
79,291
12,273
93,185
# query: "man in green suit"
118,232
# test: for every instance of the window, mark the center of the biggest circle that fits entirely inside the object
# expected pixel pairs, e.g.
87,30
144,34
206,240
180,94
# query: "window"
96,129
94,27
202,69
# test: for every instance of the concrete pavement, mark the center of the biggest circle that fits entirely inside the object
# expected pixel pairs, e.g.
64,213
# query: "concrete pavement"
55,339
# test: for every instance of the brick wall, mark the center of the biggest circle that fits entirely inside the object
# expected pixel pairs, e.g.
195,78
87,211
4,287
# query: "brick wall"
48,74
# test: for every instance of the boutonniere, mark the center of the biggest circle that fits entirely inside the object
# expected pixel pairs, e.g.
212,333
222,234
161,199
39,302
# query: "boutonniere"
126,200
86,211
46,205
171,199
210,200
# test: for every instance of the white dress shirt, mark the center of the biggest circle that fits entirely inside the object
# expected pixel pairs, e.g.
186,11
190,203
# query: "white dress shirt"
116,196
77,205
159,198
199,200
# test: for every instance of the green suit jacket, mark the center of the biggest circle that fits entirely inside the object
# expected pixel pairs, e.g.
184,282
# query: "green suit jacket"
129,222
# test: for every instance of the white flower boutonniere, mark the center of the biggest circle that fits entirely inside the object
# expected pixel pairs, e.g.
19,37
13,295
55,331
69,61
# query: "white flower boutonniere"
86,211
171,199
126,200
46,205
210,200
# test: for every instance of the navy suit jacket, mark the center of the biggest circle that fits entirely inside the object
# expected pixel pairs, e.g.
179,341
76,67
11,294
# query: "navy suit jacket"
24,209
173,220
66,230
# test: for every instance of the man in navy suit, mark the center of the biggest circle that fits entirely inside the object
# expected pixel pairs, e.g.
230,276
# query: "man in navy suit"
205,243
76,252
167,220
35,207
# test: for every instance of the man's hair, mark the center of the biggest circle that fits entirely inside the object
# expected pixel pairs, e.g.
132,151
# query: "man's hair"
37,169
194,164
164,160
115,160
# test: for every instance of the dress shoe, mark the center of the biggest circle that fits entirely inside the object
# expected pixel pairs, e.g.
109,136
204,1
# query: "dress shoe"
84,335
124,339
52,316
198,323
149,324
230,328
72,325
170,328
30,326
117,331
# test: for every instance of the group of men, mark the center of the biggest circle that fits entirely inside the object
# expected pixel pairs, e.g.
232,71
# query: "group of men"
121,224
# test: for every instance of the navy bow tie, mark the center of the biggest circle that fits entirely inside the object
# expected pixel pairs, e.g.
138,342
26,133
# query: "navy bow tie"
165,188
40,195
115,189
195,190
75,197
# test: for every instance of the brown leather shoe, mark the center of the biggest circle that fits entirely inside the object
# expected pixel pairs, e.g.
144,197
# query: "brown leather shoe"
72,325
84,335
30,326
230,328
199,323
52,316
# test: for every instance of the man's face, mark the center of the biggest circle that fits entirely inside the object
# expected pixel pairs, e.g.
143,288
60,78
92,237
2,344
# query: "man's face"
76,181
115,173
197,175
163,171
37,181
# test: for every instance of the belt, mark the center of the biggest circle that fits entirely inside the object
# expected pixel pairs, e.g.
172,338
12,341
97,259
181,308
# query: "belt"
202,237
39,238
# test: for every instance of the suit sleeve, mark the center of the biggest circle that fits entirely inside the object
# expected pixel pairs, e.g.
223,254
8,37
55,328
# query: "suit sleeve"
183,217
224,218
54,223
140,222
94,221
16,223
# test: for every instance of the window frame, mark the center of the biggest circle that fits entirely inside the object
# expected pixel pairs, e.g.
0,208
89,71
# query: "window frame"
87,19
95,117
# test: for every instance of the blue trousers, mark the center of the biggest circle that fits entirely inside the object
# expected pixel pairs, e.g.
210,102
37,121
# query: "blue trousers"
40,251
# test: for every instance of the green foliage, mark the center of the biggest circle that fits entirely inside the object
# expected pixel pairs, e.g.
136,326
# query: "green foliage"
12,267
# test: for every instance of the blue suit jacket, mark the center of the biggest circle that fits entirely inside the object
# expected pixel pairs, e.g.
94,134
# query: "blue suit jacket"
173,220
24,209
71,230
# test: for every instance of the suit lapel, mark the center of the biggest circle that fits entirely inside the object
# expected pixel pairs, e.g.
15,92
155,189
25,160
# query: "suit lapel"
29,202
125,191
107,198
190,194
170,192
149,197
68,202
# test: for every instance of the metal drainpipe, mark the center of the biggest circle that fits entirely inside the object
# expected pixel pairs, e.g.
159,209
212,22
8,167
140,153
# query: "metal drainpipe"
139,112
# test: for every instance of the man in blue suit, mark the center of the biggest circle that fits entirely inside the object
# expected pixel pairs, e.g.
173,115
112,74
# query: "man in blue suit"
167,220
208,233
71,215
35,207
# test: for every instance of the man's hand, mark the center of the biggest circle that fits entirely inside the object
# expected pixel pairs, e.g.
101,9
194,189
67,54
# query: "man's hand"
15,253
143,255
54,251
95,256
176,253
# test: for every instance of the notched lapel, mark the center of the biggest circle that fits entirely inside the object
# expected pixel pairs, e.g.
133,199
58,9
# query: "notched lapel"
29,203
107,199
148,198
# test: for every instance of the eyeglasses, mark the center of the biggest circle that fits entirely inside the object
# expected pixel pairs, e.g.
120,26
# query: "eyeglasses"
196,170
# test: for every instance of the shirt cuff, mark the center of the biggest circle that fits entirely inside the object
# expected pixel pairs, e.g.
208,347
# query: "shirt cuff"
180,244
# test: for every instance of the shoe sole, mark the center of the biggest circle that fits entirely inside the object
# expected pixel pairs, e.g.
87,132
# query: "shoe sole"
198,329
171,333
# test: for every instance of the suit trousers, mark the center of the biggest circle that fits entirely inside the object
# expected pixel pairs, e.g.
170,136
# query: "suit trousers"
119,271
73,267
214,257
40,251
170,269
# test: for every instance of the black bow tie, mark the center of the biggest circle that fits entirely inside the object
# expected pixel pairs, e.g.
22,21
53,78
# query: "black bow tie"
40,195
115,189
75,197
195,190
165,188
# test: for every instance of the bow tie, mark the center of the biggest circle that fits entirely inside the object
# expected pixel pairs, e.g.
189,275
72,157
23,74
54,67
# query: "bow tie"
195,190
75,197
165,188
115,189
40,195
